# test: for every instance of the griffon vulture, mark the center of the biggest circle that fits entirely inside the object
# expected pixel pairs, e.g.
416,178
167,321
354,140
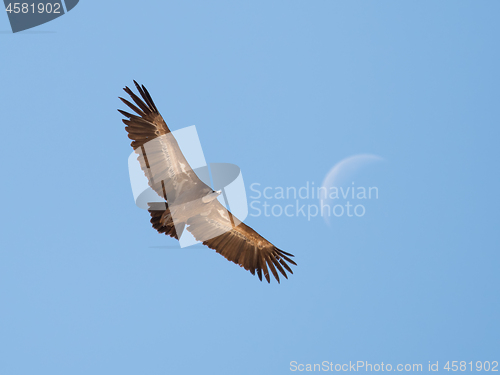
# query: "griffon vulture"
189,203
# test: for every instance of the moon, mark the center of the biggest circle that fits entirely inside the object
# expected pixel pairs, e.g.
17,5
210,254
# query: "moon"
343,171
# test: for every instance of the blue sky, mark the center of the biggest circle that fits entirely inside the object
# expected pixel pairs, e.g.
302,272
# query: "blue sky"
285,90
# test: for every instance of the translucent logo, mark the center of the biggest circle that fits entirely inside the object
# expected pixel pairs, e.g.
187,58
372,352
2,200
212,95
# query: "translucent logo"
171,173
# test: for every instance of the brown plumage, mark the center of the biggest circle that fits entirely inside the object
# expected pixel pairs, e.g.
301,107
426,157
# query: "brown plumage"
189,203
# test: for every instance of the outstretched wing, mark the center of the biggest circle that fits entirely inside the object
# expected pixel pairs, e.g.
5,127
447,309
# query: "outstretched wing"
222,231
159,154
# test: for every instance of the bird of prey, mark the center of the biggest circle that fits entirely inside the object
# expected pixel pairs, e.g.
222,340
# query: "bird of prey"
188,202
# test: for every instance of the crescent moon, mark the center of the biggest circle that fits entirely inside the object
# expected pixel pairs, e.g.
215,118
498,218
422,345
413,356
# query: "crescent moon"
344,169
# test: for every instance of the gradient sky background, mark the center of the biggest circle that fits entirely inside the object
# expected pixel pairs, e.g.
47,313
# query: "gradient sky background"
284,90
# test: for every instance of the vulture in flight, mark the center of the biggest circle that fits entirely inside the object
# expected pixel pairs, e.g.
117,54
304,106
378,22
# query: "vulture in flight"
188,202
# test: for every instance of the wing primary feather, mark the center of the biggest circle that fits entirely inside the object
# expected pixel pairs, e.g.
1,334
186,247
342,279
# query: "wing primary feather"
284,252
129,115
258,265
137,100
150,99
264,268
132,107
141,91
273,270
140,124
286,266
252,261
147,98
278,266
286,258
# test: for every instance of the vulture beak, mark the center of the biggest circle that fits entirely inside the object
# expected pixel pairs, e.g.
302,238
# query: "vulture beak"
210,197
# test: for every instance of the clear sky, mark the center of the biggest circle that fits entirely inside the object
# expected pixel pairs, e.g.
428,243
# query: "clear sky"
285,90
